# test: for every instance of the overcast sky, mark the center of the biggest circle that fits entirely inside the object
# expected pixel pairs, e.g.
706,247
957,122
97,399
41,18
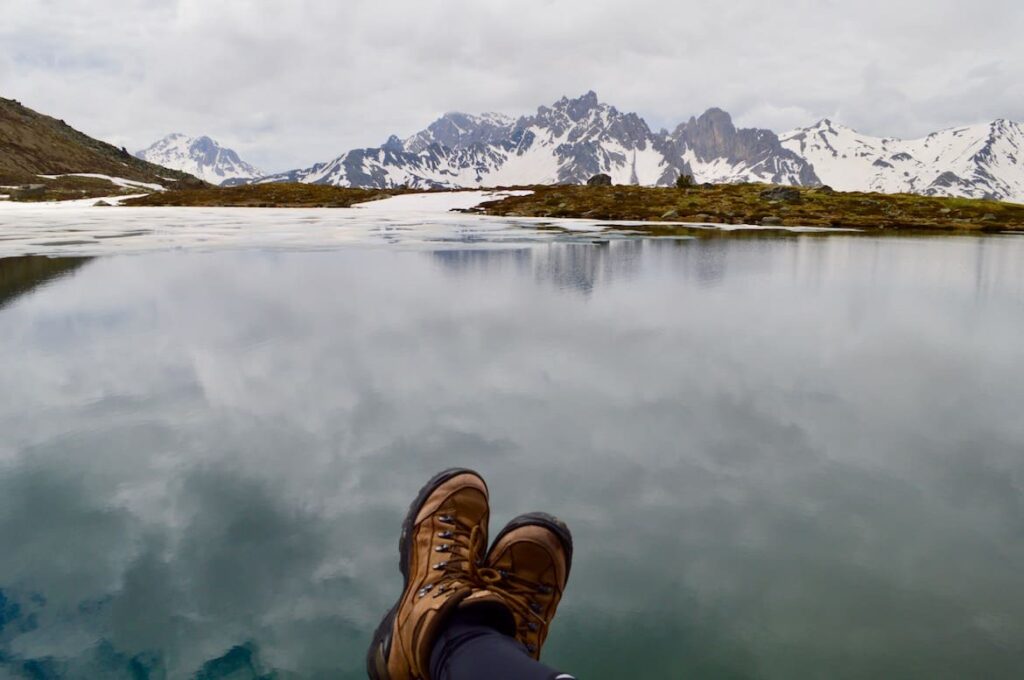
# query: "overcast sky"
291,82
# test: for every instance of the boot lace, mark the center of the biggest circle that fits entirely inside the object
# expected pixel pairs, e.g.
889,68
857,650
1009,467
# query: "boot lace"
521,596
459,560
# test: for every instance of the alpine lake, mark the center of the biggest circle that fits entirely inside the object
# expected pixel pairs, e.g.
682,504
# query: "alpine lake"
780,457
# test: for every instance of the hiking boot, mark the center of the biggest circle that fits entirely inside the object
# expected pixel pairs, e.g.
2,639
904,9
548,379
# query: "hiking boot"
442,544
528,567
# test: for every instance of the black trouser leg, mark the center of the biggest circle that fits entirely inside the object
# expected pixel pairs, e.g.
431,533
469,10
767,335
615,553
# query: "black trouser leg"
469,648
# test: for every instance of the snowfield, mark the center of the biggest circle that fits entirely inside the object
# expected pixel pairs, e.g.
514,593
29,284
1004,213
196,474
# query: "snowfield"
413,221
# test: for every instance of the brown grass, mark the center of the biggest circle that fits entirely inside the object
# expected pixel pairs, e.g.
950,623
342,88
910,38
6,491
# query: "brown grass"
273,195
744,204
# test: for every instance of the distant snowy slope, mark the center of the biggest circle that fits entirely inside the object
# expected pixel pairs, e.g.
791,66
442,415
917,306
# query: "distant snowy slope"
199,156
977,161
567,142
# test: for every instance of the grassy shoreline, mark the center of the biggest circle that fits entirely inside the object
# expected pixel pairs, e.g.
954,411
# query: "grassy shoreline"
759,204
272,195
662,209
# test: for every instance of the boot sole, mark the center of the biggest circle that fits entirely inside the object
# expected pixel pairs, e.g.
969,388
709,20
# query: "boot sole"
542,519
380,645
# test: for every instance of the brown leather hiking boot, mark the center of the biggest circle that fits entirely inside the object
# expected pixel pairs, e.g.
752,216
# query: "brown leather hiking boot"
528,567
442,544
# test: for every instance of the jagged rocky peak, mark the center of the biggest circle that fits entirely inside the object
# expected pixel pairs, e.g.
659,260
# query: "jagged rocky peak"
457,130
577,109
713,136
394,144
586,118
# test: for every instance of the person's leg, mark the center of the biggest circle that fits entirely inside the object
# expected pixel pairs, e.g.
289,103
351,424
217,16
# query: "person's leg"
472,647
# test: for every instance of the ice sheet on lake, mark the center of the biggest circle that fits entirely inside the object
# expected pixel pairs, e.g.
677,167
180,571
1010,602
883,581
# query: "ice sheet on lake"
413,221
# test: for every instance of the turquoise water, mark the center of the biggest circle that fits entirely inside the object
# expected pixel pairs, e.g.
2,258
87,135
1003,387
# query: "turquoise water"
780,458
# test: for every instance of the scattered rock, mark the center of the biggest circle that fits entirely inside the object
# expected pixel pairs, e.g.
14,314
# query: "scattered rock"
703,217
787,194
825,189
101,204
771,221
600,180
989,217
670,215
707,185
946,211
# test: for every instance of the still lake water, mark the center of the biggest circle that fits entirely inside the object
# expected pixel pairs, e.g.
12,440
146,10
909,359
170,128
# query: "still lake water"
795,458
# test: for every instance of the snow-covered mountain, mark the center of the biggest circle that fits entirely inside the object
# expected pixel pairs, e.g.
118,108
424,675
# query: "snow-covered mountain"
200,156
977,161
567,142
574,139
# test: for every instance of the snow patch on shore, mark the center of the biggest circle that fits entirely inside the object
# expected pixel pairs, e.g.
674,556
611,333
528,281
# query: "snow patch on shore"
440,202
118,181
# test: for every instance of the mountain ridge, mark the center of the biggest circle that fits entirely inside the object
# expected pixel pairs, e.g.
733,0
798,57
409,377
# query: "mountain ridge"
200,157
971,161
564,143
574,138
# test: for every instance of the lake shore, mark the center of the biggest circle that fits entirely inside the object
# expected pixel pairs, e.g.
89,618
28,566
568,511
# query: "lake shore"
730,205
663,210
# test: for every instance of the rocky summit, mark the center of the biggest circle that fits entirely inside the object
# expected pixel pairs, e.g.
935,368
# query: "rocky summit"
200,157
567,142
572,140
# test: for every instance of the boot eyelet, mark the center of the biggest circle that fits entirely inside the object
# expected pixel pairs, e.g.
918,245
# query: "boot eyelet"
535,608
440,565
446,519
532,626
546,590
504,573
443,548
444,534
532,649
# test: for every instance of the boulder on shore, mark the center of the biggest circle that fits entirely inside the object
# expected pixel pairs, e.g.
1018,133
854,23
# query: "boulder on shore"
785,194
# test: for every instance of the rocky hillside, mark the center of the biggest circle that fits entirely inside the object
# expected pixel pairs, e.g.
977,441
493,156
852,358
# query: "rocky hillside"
565,143
32,144
200,157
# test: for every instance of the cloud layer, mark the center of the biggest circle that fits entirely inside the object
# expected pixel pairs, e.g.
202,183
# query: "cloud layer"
292,83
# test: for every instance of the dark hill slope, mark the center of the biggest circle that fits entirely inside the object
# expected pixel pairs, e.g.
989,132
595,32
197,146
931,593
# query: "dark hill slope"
33,144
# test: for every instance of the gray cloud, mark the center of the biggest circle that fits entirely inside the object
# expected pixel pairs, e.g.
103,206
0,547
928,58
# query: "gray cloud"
298,82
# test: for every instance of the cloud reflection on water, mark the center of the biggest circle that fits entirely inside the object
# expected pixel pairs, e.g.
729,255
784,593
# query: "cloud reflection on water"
779,458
